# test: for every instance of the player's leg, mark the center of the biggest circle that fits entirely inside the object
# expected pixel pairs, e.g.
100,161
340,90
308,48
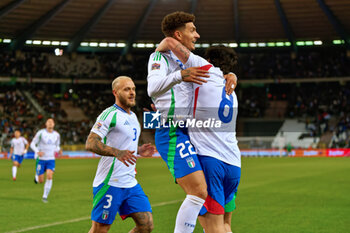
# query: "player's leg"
231,183
40,170
195,187
137,206
143,221
15,165
212,213
106,203
174,146
48,184
213,223
36,177
227,221
97,227
50,169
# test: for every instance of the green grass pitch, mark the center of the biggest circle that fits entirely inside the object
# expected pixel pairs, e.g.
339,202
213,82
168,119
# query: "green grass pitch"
275,195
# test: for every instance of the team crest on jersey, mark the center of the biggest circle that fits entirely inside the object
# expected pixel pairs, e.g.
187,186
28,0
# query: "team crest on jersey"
190,162
98,125
105,214
155,66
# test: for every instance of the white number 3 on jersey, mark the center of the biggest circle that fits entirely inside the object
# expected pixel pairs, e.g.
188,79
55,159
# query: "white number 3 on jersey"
109,201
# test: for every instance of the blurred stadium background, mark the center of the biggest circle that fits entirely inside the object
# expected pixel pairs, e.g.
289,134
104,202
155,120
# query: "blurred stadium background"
58,59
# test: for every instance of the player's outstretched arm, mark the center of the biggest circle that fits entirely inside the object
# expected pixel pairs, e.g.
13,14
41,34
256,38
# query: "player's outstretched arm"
94,144
147,150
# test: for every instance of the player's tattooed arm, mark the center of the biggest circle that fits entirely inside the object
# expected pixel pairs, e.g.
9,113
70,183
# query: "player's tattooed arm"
94,144
176,47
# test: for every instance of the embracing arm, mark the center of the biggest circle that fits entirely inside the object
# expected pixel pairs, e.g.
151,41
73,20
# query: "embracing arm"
169,43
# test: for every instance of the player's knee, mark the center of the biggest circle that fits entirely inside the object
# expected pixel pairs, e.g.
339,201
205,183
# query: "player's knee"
99,228
201,192
146,228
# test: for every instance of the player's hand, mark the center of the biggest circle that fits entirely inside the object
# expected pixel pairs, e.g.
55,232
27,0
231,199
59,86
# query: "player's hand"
24,152
40,153
231,83
126,156
193,74
147,150
153,108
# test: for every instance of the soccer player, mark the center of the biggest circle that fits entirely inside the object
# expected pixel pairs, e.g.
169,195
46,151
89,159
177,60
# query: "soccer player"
170,89
19,147
217,149
45,144
115,137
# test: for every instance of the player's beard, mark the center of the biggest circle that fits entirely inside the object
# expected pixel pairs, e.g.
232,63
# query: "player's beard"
125,102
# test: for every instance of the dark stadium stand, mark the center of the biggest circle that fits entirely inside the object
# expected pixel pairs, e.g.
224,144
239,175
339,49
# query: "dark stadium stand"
264,65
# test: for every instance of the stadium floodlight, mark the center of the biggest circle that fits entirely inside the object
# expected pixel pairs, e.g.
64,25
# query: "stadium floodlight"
140,45
287,43
300,43
338,41
279,44
64,43
112,45
93,44
46,42
243,45
84,44
205,45
197,45
6,41
253,44
134,45
225,44
37,42
29,41
271,44
121,45
55,42
215,44
308,43
318,42
103,44
149,45
262,44
233,45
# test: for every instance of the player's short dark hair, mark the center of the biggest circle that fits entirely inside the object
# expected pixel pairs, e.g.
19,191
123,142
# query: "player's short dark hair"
171,22
223,57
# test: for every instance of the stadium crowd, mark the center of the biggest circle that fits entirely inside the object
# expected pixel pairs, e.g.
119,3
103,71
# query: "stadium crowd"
316,104
263,65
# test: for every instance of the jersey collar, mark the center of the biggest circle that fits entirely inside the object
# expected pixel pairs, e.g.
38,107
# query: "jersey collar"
120,108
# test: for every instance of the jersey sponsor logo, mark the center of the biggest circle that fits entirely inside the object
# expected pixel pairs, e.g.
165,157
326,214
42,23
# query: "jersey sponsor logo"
151,120
105,214
190,162
98,125
155,66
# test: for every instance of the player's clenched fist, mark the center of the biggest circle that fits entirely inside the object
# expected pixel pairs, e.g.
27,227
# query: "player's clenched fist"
193,74
126,156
